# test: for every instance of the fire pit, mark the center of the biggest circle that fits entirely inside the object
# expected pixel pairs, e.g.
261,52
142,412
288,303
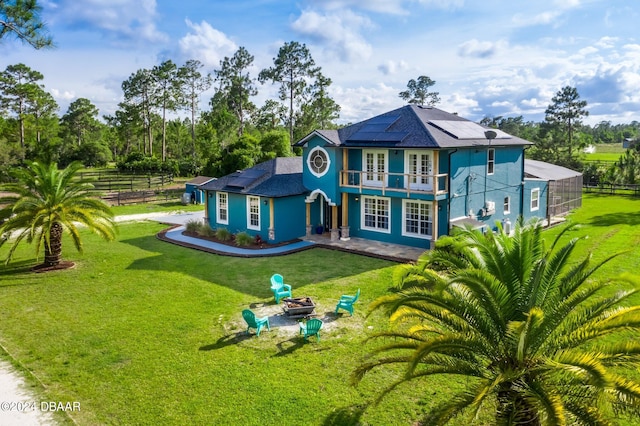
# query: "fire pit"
298,307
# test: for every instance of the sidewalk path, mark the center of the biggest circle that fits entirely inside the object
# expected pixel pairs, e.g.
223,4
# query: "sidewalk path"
18,407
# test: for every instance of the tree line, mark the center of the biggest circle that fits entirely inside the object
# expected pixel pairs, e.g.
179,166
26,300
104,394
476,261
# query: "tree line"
145,133
562,137
232,134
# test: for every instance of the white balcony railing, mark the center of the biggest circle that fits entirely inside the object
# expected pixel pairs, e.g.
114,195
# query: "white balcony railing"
395,182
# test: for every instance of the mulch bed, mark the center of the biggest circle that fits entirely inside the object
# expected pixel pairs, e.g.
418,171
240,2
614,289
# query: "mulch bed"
231,243
67,264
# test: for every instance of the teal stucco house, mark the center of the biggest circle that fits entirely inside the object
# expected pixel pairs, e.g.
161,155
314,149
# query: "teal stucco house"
406,177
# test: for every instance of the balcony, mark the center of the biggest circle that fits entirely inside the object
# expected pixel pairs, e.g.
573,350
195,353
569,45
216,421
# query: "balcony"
405,183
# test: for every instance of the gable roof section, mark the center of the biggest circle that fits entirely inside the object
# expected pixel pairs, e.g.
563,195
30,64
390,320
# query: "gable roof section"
414,126
279,177
547,171
199,180
330,136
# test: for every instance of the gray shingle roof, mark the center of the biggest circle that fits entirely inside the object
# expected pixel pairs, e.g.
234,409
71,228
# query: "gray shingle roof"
199,180
279,177
413,126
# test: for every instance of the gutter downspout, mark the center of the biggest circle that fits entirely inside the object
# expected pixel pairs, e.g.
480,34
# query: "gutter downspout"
522,184
449,195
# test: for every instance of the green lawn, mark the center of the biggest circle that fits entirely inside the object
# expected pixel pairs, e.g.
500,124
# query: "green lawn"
172,206
145,332
606,153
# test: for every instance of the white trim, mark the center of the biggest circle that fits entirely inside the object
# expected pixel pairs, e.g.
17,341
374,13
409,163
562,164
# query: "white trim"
508,204
251,198
406,233
374,173
362,214
491,162
537,207
219,210
303,142
327,165
314,194
418,185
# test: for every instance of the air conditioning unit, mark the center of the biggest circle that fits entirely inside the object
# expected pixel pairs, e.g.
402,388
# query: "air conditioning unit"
489,208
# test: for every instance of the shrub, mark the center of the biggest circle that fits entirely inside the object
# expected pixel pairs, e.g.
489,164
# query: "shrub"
207,230
223,234
243,239
193,225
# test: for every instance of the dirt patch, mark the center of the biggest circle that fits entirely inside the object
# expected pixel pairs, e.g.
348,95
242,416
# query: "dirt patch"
279,320
67,264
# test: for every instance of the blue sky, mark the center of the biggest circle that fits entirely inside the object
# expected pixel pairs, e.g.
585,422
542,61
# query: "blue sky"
491,57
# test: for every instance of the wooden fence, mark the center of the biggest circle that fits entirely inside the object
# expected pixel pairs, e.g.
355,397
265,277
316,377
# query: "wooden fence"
613,188
117,182
121,198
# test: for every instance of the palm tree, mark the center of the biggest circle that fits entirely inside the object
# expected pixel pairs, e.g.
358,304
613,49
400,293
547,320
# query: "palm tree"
44,202
523,324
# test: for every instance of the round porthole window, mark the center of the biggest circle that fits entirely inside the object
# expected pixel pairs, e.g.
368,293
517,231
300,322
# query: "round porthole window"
318,161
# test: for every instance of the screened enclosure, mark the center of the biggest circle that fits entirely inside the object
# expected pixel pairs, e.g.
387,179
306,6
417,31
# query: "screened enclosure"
564,186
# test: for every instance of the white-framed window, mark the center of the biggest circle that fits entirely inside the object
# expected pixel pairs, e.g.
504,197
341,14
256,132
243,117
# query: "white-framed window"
376,214
491,160
535,199
222,208
417,218
375,166
507,205
253,213
318,161
418,166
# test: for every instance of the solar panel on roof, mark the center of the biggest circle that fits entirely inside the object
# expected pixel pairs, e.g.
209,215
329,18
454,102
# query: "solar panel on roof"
378,136
244,178
374,128
462,129
383,119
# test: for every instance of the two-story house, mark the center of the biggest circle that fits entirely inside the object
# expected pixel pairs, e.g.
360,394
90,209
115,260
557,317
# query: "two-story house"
406,177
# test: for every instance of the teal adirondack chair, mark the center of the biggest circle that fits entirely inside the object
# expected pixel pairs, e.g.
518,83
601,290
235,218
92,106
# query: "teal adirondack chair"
279,288
255,322
312,327
346,302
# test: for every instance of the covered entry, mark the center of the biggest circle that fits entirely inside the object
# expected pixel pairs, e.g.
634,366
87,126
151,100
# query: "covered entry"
324,214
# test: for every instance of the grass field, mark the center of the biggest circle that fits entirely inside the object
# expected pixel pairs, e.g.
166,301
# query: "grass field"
605,153
144,332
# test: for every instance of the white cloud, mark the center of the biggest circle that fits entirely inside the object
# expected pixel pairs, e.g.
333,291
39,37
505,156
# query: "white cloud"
544,18
362,102
64,95
504,104
534,103
392,67
393,7
607,42
459,103
337,32
443,4
586,51
548,17
478,49
206,44
129,20
381,6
